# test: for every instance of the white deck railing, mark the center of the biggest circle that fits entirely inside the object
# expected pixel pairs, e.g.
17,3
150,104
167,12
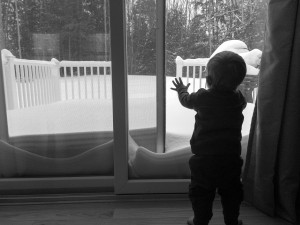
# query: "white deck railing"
192,69
30,83
85,79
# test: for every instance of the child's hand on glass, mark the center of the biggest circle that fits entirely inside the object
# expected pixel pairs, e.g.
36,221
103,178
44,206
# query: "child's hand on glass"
179,86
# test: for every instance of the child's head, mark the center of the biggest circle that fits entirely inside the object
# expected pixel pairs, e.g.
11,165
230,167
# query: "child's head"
226,71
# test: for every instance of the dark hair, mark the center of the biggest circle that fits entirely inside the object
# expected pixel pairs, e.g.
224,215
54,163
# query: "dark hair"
226,71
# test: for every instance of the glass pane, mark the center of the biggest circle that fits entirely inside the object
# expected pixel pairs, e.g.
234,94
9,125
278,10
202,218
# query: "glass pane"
141,56
194,31
57,75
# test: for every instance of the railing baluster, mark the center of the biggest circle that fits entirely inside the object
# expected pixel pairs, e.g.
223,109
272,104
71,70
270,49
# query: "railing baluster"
179,66
50,84
105,86
58,84
48,79
72,81
23,86
98,76
85,82
187,74
194,77
36,96
48,72
66,85
41,85
27,84
92,81
53,88
18,74
78,79
31,84
39,91
44,85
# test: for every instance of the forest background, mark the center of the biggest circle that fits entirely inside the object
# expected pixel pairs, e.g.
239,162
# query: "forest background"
79,29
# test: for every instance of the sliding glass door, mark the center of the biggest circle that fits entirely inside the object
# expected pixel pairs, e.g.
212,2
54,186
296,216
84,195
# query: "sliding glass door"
141,163
158,41
85,98
57,92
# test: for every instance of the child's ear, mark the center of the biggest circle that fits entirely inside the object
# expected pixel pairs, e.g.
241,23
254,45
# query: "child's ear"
209,80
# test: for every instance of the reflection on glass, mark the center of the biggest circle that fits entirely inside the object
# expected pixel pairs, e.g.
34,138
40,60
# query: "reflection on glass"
57,75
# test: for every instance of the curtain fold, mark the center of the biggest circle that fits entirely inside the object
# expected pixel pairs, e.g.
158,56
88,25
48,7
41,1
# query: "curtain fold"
272,167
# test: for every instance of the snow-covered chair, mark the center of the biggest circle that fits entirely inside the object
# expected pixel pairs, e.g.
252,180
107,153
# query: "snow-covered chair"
251,57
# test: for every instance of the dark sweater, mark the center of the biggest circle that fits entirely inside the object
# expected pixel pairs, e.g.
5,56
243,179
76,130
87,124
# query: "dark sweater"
218,122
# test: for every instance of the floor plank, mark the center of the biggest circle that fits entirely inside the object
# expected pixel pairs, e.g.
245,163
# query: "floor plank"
166,212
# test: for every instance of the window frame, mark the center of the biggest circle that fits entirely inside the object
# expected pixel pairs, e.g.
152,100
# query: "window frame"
31,185
124,185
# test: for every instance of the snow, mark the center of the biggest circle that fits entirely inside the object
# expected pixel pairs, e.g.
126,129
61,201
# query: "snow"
88,115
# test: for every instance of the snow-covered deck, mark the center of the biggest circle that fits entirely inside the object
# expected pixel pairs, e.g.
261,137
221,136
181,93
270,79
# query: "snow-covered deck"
89,115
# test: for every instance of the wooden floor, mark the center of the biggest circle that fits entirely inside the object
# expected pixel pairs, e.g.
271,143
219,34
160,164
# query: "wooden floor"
124,212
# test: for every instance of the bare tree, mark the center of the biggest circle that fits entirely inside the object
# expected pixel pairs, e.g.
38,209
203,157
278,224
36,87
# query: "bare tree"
2,38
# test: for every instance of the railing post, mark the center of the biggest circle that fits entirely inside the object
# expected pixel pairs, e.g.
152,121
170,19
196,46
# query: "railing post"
105,85
9,79
179,65
55,71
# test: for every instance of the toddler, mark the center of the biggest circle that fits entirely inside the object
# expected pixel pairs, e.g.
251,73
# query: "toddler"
216,141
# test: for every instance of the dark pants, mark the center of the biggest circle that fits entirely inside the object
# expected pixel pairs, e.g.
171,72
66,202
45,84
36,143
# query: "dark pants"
211,173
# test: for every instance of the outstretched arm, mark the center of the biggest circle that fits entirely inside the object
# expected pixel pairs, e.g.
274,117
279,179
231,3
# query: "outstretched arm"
184,97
